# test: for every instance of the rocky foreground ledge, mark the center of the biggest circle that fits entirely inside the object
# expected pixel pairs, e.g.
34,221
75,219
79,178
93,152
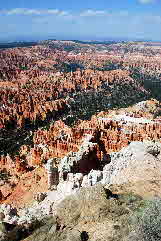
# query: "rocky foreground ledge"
139,164
95,213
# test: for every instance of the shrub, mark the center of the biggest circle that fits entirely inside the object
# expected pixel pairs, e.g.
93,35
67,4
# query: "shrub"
4,175
147,222
151,221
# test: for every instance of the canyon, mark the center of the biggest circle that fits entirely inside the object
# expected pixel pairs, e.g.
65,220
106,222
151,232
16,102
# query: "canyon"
72,119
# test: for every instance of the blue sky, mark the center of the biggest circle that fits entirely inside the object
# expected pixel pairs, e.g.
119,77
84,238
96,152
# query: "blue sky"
85,19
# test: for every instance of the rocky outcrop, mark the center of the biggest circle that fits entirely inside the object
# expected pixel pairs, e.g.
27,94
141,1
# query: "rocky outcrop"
136,162
96,213
82,161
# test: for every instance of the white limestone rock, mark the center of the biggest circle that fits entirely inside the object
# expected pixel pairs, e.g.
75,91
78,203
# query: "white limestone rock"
94,177
133,163
85,181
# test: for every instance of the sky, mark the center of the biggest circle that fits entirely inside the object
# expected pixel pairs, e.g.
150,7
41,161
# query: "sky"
80,19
